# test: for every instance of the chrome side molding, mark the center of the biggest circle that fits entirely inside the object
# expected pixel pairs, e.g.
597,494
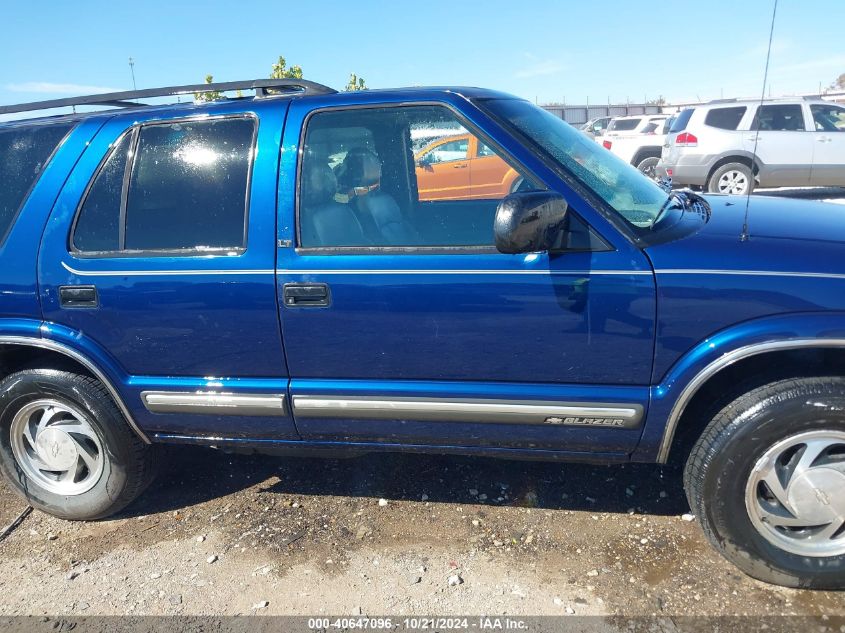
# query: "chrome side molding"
719,364
213,403
626,416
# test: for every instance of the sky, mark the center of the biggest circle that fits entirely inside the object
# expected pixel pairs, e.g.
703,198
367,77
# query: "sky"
546,51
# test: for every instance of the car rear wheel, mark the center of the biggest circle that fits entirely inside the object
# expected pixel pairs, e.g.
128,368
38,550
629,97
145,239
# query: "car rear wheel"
648,166
66,447
734,179
767,481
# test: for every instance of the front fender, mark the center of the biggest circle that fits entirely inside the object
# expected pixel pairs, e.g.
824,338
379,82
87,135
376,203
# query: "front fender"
670,397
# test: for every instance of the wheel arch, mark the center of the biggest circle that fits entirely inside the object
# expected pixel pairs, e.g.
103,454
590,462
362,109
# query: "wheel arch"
25,352
768,348
744,158
646,152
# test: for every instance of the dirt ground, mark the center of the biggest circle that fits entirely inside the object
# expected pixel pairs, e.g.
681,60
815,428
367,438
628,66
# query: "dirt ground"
385,534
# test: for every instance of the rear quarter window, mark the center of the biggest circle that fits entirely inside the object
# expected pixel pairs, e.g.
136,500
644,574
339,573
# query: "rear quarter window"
24,152
623,125
679,124
725,118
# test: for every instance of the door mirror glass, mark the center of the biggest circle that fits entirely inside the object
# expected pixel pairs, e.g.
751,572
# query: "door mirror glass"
529,222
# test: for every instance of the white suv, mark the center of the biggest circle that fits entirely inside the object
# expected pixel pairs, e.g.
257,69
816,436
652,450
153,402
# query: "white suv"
637,140
733,146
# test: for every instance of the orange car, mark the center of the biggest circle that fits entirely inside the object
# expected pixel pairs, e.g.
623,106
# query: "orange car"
462,168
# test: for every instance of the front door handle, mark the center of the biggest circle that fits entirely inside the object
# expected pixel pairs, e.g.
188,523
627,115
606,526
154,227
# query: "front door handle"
78,297
306,295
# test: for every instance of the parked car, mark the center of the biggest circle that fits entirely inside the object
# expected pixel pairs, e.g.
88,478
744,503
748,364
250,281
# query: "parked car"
636,124
462,167
732,146
642,150
264,274
596,127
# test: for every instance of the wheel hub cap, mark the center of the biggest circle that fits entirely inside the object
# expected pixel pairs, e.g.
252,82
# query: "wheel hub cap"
817,496
56,449
795,495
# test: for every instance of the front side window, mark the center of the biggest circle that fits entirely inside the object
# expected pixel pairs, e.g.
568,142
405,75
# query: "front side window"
828,118
24,152
171,187
400,177
779,118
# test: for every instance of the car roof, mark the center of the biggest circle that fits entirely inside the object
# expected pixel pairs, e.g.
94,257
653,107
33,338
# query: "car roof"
340,98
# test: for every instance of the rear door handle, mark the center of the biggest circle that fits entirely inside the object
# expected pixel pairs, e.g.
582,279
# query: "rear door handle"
306,295
460,166
78,297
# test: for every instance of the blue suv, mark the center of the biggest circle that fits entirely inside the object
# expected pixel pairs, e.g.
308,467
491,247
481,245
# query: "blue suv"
441,270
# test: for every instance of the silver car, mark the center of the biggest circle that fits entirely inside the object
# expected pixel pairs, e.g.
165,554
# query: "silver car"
732,146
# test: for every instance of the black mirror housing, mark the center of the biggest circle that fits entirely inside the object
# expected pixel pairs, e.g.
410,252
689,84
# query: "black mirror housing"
529,222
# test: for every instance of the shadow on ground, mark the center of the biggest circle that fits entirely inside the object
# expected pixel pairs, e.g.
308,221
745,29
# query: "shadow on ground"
193,475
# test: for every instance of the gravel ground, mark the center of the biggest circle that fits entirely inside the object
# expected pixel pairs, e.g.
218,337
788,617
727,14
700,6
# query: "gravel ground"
385,534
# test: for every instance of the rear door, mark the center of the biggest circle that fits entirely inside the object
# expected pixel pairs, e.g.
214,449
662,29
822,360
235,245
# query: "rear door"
436,338
783,144
160,254
829,146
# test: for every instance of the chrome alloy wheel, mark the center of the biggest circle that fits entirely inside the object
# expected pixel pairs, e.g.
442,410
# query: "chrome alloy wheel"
733,182
56,447
795,495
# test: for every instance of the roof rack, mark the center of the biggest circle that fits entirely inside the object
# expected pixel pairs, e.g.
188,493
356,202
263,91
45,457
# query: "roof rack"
262,87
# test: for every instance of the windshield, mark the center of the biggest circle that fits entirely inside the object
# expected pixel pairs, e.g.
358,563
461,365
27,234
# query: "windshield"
636,198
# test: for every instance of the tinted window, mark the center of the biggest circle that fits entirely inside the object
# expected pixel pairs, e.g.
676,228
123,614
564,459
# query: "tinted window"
403,176
681,120
188,185
623,125
98,223
23,154
779,118
187,189
725,118
828,118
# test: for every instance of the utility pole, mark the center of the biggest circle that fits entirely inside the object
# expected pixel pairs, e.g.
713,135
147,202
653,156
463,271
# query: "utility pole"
132,70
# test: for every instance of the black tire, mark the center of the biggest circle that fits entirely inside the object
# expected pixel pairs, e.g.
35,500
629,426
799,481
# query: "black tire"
127,462
713,185
648,165
721,464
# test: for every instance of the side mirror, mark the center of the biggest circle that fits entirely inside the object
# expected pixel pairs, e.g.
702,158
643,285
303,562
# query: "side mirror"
529,222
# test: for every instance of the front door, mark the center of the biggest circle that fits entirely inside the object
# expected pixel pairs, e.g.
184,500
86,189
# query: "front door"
428,335
829,146
160,253
783,145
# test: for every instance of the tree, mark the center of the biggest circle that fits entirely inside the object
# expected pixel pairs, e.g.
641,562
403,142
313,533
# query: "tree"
840,82
356,83
213,95
281,71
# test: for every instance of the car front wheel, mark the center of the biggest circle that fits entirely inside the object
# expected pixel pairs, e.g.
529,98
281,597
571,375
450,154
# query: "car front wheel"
767,481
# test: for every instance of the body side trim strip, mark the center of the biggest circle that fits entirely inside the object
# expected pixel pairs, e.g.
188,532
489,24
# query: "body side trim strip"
328,271
748,273
470,410
716,366
72,353
213,403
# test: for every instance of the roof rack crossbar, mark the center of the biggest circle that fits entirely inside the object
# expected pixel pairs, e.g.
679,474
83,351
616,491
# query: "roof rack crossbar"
262,88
